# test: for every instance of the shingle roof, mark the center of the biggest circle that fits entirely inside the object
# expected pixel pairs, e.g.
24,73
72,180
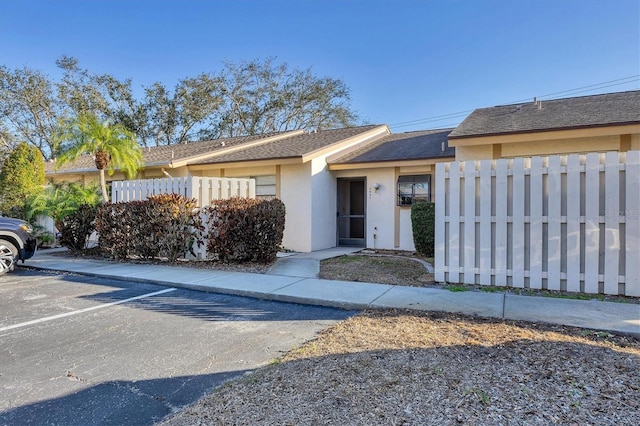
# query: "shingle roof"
292,147
420,145
162,155
568,113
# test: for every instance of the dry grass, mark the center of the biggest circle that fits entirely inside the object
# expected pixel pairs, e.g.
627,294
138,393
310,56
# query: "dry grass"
397,270
417,368
401,367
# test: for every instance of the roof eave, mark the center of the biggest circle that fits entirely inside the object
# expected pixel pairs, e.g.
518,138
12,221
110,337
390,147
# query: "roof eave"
389,163
356,140
531,131
200,157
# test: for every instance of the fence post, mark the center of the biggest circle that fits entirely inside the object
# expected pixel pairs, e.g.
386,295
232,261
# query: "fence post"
469,222
592,223
441,221
574,194
554,232
632,223
517,228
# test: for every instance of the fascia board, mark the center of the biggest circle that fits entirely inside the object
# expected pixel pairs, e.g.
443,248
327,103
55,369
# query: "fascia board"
388,164
339,146
540,135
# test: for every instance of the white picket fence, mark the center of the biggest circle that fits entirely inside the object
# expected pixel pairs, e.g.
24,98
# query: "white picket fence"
568,223
203,189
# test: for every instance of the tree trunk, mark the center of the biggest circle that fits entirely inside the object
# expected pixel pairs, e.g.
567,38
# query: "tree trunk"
103,186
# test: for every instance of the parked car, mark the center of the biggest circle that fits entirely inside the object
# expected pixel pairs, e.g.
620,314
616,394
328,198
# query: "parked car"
17,242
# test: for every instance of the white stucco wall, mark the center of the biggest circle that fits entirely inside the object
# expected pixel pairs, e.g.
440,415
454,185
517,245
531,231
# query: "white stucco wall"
323,205
295,193
406,230
380,205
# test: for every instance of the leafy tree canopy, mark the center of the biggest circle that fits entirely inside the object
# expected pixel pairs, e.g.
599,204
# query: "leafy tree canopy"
112,146
247,98
22,176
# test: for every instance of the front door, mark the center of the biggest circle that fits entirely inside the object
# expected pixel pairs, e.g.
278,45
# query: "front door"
351,212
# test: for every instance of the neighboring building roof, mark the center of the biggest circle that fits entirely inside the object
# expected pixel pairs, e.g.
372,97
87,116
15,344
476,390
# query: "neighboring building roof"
419,145
167,154
297,146
561,114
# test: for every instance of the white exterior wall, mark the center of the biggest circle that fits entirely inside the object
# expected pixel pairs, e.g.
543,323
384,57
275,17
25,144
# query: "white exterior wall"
406,230
295,193
323,205
380,210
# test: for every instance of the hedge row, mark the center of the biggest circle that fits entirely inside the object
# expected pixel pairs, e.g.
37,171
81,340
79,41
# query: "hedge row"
242,229
76,228
161,226
169,226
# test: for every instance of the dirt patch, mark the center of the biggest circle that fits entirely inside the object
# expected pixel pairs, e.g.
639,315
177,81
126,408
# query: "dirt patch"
96,254
383,269
407,268
402,367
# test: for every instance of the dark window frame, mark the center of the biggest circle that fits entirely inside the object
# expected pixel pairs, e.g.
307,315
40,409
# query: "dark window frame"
406,190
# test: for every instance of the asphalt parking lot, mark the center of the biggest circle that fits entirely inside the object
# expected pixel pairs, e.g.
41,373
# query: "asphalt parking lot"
77,350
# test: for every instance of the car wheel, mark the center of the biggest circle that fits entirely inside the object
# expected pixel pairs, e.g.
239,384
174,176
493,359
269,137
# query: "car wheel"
8,256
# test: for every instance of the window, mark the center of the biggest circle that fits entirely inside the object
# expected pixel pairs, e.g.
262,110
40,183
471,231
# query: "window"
414,189
265,187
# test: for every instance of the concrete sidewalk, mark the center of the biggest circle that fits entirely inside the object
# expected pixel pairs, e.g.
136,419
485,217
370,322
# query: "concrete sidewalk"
292,279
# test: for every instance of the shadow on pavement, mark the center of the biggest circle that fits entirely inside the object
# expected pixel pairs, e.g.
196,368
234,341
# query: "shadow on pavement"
143,402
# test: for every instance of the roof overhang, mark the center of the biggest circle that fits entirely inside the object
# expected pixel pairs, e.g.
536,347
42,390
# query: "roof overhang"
548,135
387,164
248,163
349,143
202,157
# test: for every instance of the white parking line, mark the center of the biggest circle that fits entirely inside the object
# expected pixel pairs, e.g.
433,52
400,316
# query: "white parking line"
81,311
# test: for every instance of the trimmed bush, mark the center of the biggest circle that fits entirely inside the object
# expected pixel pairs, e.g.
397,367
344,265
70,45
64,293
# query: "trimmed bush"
171,220
423,219
76,228
113,223
164,225
243,229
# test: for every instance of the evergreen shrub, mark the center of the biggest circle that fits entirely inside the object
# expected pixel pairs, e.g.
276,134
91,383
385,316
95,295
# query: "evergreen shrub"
423,219
76,228
242,229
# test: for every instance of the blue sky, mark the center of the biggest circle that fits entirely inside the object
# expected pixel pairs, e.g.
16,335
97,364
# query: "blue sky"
405,61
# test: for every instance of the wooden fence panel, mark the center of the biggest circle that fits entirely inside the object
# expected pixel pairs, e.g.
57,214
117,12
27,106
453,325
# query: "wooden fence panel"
486,246
535,224
203,189
454,225
632,223
592,224
568,223
575,192
442,169
554,225
469,222
518,244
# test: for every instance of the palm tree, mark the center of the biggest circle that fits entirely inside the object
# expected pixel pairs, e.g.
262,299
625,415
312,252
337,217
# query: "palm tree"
112,146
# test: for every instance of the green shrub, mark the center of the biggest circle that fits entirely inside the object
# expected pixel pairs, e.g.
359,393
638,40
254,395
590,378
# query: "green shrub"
164,225
59,199
243,229
113,223
76,228
172,223
423,219
21,177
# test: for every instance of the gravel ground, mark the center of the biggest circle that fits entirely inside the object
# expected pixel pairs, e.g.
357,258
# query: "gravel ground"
414,368
408,368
